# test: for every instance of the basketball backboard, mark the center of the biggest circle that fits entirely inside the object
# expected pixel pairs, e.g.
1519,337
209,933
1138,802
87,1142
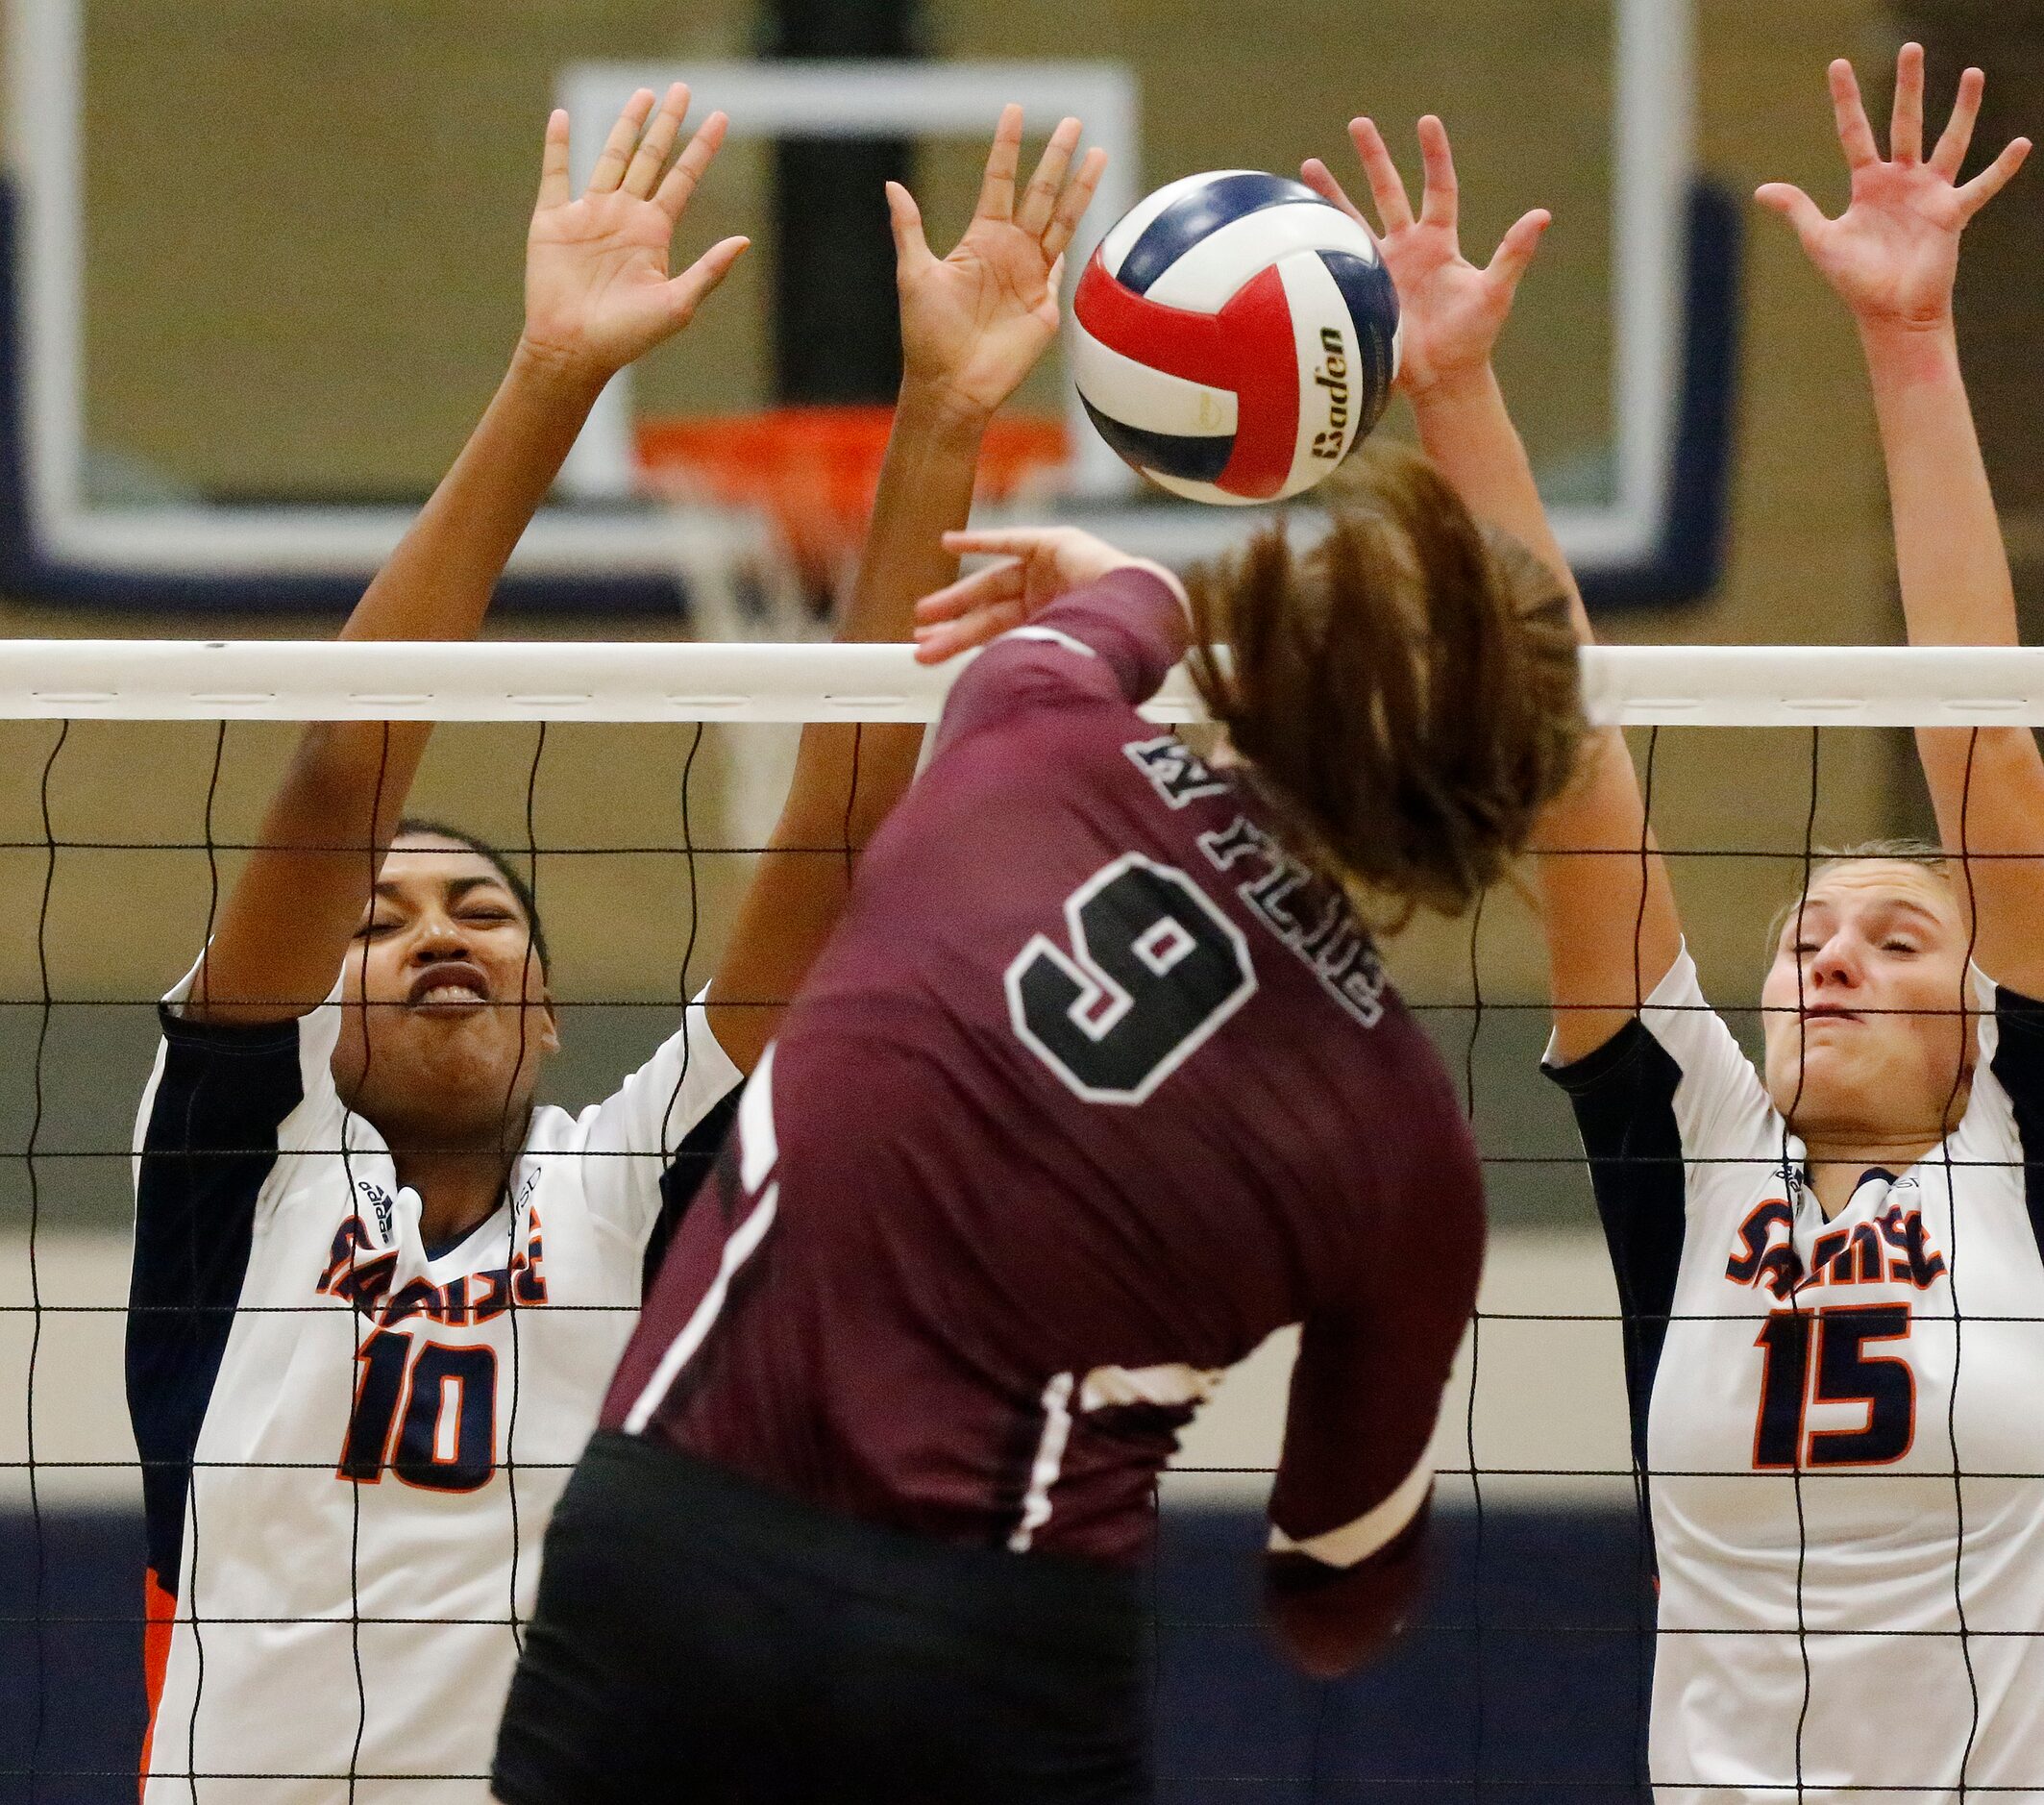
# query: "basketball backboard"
245,341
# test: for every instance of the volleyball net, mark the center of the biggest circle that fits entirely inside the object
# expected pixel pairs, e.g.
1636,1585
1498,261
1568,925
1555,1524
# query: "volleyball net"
633,785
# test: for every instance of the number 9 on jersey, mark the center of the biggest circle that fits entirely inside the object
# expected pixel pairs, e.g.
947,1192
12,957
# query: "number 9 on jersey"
1151,969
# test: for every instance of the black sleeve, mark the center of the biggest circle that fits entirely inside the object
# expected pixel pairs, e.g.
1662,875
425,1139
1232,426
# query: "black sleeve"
693,1162
2018,1064
208,1144
1624,1099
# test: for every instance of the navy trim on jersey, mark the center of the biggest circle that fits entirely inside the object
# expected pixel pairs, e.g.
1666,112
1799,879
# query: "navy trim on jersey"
1624,1099
2018,1064
1191,457
694,1160
440,1249
1185,222
211,1144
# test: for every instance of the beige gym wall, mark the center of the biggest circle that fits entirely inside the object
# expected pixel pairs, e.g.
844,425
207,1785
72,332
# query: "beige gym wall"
417,260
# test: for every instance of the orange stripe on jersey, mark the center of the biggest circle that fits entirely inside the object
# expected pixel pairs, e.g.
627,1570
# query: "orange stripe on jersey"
159,1610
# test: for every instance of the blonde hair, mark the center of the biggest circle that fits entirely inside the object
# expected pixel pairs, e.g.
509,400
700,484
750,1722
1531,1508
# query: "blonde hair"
1904,850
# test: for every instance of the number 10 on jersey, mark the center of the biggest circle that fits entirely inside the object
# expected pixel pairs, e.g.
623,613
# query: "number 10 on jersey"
439,1400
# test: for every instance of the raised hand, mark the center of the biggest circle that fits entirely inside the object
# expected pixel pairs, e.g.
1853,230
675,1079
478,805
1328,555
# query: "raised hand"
1042,563
1892,255
974,323
1450,311
598,292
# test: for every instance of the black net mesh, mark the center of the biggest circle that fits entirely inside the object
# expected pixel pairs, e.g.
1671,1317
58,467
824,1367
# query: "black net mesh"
1525,1676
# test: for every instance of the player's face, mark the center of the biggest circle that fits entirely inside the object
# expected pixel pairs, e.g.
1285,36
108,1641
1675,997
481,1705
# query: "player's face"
446,1019
1865,1042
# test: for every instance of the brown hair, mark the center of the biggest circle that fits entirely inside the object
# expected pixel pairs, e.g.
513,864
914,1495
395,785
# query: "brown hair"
1405,692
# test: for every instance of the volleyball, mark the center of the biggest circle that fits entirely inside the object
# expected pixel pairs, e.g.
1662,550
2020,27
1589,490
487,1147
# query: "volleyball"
1233,336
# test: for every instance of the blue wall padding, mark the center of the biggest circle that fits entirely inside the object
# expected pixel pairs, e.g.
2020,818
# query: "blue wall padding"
1527,1689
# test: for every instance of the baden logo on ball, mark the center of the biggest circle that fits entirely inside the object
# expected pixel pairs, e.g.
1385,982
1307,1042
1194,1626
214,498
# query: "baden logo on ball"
1235,336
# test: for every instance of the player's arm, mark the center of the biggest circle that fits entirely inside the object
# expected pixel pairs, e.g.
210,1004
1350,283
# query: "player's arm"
973,324
1350,1508
1612,931
1074,618
1892,256
598,294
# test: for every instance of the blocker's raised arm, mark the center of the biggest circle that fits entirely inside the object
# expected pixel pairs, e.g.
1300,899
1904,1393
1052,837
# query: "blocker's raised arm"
1612,927
973,324
1892,257
598,294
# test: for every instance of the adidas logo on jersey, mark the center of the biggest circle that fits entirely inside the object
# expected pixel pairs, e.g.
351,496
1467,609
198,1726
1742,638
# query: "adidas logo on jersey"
380,1204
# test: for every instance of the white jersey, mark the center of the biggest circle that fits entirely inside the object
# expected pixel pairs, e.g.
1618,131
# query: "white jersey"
350,1441
1806,1392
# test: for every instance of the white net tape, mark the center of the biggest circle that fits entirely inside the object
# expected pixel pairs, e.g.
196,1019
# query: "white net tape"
175,680
1546,1551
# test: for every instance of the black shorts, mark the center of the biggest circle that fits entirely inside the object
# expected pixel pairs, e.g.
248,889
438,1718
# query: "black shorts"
701,1637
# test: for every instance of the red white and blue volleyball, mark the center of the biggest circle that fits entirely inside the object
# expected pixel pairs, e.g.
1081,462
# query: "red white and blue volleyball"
1233,336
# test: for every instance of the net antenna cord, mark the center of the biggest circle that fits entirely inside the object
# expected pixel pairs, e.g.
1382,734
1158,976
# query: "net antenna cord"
182,679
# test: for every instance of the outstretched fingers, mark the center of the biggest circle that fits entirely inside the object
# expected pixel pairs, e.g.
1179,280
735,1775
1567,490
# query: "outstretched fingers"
970,612
1439,204
1516,249
1320,179
1795,206
680,188
904,218
1387,187
1000,541
1856,137
996,188
1072,205
946,640
1040,198
1906,119
687,291
618,147
555,190
1993,179
1952,148
657,143
978,590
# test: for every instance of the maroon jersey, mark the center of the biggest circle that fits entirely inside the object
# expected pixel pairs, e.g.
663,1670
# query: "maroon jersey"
1094,1087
